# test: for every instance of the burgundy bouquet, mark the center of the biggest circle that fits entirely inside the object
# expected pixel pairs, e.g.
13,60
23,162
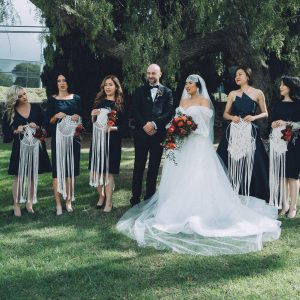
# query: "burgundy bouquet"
287,133
112,118
40,134
78,130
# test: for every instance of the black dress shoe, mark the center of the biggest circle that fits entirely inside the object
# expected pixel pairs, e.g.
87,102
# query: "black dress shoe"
134,201
101,206
147,197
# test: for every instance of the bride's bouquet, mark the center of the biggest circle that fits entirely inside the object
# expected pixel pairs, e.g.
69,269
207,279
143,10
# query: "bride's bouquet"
180,127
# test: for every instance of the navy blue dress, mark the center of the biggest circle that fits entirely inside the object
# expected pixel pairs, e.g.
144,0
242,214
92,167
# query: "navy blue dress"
259,186
69,107
290,111
115,141
36,115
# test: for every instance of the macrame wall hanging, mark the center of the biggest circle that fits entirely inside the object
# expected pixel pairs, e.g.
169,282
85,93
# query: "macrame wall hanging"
28,167
278,149
241,149
65,156
100,150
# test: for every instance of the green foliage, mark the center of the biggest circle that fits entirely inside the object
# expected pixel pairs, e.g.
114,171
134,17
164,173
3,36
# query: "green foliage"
27,74
8,14
153,31
5,80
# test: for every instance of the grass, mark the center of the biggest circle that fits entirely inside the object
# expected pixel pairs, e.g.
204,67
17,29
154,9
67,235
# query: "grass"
82,256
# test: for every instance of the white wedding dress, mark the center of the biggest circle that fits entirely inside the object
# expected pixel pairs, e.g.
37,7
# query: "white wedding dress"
195,210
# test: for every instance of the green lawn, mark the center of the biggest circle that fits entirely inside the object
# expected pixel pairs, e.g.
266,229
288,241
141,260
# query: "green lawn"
82,256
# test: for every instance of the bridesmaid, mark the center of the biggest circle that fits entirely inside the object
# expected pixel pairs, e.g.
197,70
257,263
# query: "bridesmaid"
59,105
288,109
242,104
110,97
18,113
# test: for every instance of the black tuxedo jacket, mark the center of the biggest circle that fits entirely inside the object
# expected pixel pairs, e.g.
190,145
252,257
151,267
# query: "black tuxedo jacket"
145,109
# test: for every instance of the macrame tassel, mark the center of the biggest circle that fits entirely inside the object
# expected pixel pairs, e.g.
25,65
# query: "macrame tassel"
241,149
100,150
278,148
28,167
65,156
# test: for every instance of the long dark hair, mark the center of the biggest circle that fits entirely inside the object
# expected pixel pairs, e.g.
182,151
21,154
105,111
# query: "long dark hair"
119,98
293,83
248,72
68,81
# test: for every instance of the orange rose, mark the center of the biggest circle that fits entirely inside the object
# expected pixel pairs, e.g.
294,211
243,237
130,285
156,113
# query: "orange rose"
183,118
189,123
171,146
171,129
180,124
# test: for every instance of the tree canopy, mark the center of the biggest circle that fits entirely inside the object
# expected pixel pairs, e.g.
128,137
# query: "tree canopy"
176,33
92,38
27,74
5,79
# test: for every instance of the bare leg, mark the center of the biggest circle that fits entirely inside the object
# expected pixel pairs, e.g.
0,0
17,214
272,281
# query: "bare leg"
29,203
285,201
294,192
17,209
101,192
109,188
69,194
57,197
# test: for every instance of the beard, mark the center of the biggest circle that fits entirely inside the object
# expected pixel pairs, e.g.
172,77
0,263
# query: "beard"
152,81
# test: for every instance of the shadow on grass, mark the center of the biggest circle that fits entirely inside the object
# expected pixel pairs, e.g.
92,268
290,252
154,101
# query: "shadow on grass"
117,277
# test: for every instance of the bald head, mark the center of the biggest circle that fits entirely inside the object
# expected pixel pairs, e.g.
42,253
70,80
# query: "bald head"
154,67
153,74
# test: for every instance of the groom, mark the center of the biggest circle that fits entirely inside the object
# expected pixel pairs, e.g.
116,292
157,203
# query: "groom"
152,110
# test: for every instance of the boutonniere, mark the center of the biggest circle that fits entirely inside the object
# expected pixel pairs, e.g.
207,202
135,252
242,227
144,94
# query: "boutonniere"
160,92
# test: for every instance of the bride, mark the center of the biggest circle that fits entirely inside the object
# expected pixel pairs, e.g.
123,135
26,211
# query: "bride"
195,209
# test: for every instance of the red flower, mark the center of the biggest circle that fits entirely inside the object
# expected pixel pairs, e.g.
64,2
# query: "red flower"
78,130
112,118
287,133
110,123
171,145
180,127
183,118
40,134
182,132
171,129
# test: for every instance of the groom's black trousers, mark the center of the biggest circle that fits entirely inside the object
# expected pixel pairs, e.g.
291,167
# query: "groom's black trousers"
144,144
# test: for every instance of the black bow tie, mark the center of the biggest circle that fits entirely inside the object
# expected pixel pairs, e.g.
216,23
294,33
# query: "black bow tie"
153,87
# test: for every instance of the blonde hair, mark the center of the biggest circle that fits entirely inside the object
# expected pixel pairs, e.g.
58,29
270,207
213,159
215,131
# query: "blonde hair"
11,102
